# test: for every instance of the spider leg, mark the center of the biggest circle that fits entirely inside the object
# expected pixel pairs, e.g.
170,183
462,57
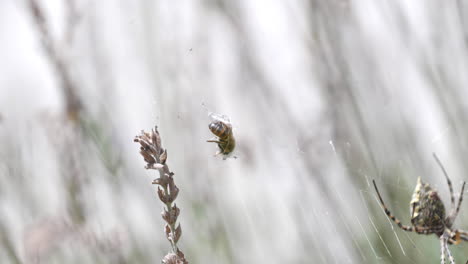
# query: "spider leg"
454,214
417,229
452,261
451,241
442,249
452,197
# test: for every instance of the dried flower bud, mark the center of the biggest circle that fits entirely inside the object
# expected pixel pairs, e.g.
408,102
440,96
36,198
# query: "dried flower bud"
171,216
175,211
173,193
147,157
167,230
155,138
170,181
163,157
162,196
166,216
178,233
150,147
172,258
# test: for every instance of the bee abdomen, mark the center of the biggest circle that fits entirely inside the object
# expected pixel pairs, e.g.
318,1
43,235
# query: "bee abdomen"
219,129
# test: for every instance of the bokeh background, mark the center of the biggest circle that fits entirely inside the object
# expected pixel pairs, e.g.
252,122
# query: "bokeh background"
324,96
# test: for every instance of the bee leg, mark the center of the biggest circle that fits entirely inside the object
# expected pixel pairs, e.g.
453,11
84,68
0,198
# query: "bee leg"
214,141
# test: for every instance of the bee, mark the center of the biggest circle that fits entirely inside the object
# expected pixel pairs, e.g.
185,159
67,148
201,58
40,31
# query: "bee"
222,128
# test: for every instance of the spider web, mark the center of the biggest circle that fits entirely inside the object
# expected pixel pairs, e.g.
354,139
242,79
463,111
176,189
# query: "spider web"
402,246
377,236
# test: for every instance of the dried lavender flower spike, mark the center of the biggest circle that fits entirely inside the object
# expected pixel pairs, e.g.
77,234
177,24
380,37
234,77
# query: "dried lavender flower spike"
155,157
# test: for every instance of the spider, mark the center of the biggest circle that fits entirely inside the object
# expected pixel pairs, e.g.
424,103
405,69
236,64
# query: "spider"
428,214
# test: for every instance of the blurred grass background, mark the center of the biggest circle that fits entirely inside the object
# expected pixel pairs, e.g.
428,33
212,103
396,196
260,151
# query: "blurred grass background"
324,97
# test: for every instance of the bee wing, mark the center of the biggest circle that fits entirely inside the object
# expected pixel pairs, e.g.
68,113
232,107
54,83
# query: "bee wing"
219,117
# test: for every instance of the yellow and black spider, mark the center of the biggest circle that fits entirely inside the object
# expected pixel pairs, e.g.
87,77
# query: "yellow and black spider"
428,214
